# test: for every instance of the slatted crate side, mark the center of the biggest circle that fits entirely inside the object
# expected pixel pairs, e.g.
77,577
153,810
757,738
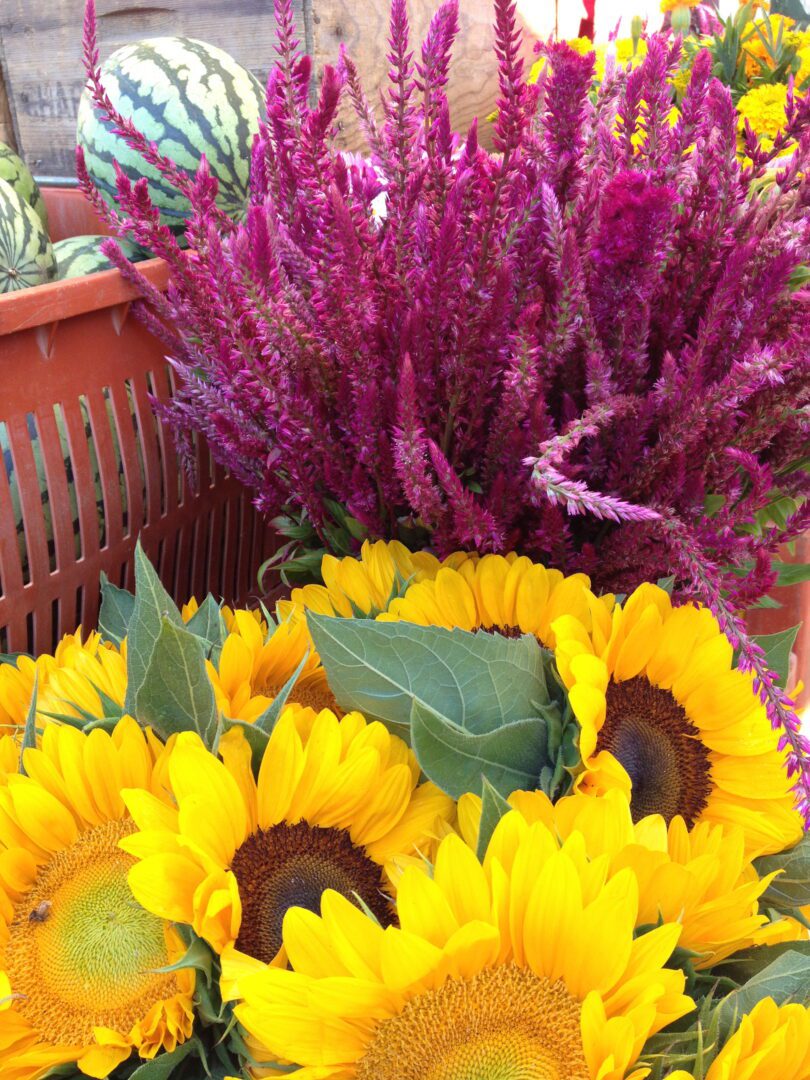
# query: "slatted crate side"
42,47
87,468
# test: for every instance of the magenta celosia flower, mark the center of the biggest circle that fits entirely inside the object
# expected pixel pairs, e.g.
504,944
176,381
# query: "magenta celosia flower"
590,344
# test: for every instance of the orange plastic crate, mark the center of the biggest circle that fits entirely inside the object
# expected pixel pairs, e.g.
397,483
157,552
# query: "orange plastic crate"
76,369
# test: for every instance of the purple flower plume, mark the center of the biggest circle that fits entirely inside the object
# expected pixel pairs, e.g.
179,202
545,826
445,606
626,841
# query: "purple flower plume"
589,345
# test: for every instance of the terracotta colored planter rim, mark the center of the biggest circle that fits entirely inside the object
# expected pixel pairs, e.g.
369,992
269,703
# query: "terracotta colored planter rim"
43,304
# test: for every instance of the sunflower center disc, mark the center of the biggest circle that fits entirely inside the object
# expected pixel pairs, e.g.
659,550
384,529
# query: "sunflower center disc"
290,866
81,951
312,694
649,733
503,1024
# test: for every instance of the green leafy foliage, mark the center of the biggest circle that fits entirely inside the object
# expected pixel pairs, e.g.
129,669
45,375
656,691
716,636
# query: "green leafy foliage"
29,740
473,705
785,978
12,657
152,605
791,573
207,624
493,808
176,693
165,1065
116,610
741,34
791,889
510,757
167,683
479,681
777,649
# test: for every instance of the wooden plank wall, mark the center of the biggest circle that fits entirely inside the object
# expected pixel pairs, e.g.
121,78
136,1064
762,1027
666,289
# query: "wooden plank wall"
40,52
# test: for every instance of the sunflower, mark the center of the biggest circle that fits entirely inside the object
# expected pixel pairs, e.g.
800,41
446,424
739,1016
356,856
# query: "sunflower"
86,683
666,716
701,879
504,594
256,663
17,679
79,979
361,586
337,805
771,1043
524,967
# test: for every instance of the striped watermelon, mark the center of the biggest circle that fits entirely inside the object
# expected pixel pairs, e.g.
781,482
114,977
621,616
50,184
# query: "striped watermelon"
15,172
191,99
80,255
26,254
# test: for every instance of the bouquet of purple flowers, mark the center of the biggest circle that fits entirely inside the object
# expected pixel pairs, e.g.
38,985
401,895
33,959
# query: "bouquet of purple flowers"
588,344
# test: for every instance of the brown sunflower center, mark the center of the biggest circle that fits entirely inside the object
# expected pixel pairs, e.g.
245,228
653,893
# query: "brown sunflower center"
290,866
82,953
503,1024
651,736
311,693
502,631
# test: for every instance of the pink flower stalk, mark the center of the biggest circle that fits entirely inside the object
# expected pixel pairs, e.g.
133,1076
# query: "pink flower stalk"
589,345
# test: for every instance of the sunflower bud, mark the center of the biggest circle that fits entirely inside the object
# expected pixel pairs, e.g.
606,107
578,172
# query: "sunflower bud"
636,30
681,19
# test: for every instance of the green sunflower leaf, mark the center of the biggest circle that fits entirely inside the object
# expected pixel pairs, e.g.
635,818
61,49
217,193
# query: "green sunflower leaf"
152,605
791,889
208,625
163,1066
477,682
197,956
493,808
785,979
175,693
777,648
116,610
745,965
30,732
13,657
509,757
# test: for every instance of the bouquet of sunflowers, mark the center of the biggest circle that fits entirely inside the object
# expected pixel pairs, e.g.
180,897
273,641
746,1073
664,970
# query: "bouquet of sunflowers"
500,788
456,818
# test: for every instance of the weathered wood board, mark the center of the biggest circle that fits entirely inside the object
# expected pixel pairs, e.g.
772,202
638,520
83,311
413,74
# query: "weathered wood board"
40,50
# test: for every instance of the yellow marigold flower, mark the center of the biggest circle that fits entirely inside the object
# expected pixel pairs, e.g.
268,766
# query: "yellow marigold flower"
803,74
771,1043
79,957
667,718
581,45
363,585
702,879
508,594
528,960
764,109
625,53
757,55
337,805
254,665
